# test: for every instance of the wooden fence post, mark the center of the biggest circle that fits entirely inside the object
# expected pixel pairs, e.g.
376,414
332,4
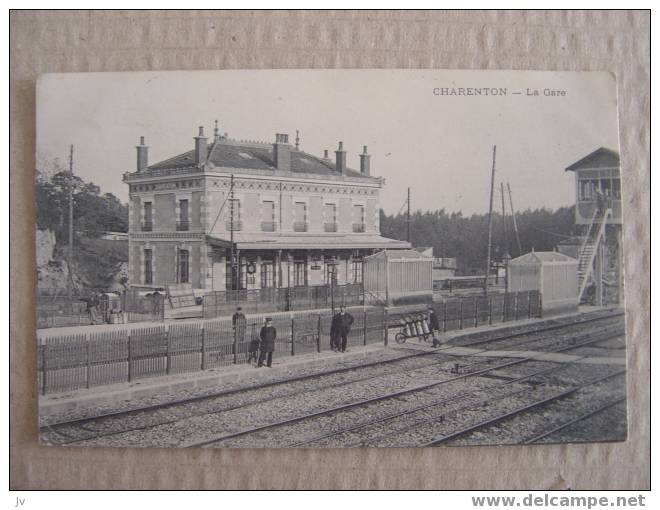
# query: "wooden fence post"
444,316
364,330
203,348
540,306
130,357
293,337
490,310
386,327
504,306
476,311
318,335
89,362
529,304
235,344
168,361
460,314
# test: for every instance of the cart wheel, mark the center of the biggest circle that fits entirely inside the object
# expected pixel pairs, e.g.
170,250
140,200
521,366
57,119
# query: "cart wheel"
400,338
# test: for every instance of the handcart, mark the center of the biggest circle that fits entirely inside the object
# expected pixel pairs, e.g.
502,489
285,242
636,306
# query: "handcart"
414,326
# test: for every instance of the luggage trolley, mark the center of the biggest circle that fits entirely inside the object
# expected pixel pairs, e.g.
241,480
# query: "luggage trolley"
413,326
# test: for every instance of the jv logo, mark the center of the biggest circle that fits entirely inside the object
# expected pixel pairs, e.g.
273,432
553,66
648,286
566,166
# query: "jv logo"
19,502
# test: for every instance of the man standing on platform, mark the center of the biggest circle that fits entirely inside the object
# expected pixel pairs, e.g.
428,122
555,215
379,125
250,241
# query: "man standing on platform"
341,327
268,335
434,325
239,324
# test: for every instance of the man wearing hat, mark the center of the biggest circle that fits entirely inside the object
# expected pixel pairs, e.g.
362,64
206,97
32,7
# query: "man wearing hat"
434,325
268,335
339,329
239,323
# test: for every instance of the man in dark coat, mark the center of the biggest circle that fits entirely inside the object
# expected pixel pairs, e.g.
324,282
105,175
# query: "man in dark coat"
268,335
340,328
239,323
434,325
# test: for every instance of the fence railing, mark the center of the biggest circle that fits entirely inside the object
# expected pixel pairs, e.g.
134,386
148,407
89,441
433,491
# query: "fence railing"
130,306
473,311
71,362
222,303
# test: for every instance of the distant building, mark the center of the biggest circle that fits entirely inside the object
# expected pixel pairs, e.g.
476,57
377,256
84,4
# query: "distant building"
294,218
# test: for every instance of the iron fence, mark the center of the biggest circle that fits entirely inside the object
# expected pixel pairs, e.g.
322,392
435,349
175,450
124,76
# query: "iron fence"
129,306
268,300
76,361
473,311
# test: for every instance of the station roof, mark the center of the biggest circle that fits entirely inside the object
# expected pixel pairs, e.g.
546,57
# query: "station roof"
254,156
308,242
600,158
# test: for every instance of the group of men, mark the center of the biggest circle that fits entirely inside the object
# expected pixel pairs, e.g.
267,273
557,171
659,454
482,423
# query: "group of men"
261,348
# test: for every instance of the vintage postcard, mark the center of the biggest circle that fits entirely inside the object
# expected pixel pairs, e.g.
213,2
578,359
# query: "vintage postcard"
329,258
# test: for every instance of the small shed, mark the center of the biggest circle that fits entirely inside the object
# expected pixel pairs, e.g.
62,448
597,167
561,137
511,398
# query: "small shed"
398,277
553,274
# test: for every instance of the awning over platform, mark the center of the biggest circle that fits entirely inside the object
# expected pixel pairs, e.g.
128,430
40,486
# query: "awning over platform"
308,242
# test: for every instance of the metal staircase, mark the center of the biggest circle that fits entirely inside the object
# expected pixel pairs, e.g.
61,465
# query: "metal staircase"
589,248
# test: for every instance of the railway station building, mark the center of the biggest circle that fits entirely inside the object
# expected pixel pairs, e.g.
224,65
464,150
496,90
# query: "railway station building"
290,218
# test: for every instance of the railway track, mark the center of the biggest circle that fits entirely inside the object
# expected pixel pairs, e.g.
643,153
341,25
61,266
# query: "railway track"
569,423
507,415
379,399
84,429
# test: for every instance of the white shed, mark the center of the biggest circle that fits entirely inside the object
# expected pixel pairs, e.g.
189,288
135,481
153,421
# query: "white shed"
552,273
398,277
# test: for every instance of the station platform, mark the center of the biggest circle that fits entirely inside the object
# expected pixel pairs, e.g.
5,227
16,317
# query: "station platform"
221,378
157,389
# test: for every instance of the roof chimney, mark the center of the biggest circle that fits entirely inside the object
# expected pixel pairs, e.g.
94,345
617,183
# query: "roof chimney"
200,147
142,155
340,154
325,154
216,132
297,140
282,152
365,162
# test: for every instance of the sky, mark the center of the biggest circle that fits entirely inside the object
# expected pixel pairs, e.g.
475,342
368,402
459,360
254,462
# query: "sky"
419,136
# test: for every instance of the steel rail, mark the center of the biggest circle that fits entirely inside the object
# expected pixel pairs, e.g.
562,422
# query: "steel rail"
463,394
518,411
446,400
82,426
580,418
380,398
236,391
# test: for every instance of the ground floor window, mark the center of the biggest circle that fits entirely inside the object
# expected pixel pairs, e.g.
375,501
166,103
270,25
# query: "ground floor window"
267,274
184,266
299,273
357,270
148,267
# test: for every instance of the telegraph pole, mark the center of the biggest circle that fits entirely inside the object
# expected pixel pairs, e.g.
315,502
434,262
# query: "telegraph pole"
504,229
232,262
408,220
70,250
515,224
490,222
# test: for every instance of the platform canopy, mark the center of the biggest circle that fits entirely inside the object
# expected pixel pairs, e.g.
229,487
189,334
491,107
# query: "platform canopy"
308,242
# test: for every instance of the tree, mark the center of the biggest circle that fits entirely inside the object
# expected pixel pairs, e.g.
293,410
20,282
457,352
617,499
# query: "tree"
466,238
